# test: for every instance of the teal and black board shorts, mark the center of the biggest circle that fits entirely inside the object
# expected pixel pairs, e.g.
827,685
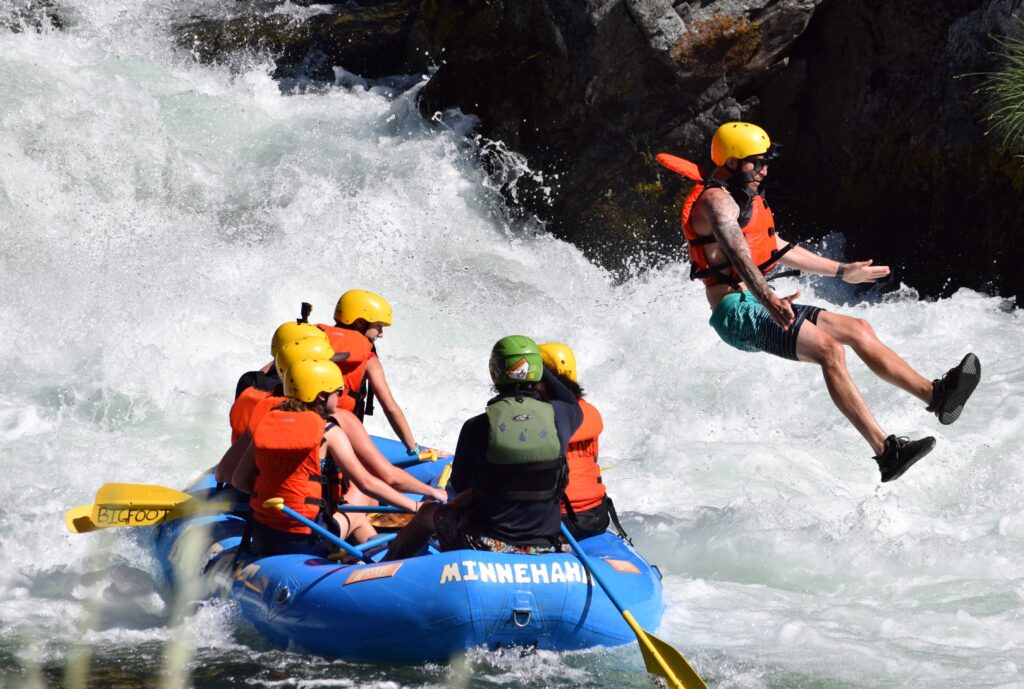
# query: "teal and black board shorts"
741,322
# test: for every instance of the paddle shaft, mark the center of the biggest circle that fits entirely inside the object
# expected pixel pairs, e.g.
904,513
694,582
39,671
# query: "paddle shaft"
589,564
429,455
648,642
348,548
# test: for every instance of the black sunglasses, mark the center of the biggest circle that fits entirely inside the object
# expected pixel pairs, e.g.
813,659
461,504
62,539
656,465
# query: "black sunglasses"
761,160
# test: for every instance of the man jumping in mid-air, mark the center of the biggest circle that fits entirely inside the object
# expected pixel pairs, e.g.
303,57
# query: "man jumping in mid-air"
733,245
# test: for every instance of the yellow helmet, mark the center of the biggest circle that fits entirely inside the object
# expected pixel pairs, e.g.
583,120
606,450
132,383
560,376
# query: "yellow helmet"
293,332
358,303
312,348
738,140
307,379
559,358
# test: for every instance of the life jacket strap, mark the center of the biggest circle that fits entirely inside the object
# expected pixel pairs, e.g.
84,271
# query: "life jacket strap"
615,519
367,389
716,271
246,544
536,481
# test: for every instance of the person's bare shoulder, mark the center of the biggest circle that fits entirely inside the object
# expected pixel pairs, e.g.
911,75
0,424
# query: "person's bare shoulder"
713,205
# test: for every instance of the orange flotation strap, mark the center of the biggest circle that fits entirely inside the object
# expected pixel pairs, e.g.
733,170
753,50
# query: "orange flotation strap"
586,490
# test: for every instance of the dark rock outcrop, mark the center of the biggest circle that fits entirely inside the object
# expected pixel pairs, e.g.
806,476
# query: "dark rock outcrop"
888,142
367,39
589,92
876,103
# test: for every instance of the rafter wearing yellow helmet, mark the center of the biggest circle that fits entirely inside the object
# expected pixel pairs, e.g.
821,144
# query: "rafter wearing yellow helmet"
734,245
359,321
587,509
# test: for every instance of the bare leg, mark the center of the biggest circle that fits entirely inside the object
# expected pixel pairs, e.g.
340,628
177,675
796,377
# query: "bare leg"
883,362
814,345
355,526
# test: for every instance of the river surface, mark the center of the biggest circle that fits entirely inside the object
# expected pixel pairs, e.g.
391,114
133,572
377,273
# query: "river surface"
159,218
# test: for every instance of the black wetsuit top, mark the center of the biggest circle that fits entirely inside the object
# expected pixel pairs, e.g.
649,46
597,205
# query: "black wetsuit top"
519,522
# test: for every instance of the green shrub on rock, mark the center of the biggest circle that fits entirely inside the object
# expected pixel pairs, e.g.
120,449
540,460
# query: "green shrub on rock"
1005,91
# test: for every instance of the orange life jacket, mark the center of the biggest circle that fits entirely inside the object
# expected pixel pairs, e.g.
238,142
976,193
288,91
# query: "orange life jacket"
755,221
287,448
585,490
260,408
241,410
353,369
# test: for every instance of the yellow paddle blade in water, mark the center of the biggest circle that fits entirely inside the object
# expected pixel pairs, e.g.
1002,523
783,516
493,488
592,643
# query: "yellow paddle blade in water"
663,660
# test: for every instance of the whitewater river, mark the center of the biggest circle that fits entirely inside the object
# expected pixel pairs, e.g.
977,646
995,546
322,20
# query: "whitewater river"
158,219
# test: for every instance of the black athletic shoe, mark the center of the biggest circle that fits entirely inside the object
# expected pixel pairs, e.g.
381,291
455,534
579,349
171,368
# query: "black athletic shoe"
900,454
950,393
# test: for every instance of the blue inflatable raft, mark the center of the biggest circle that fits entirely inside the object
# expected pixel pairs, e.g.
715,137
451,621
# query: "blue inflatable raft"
427,608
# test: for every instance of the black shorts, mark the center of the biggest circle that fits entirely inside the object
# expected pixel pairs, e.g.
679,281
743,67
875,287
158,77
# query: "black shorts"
267,541
742,322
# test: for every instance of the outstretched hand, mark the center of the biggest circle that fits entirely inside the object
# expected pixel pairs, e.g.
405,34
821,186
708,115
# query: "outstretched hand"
863,271
781,308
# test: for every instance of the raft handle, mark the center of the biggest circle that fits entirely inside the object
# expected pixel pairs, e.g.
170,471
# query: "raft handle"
518,614
284,595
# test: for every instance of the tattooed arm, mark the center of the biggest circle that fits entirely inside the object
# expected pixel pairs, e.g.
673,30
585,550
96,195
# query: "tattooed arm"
723,214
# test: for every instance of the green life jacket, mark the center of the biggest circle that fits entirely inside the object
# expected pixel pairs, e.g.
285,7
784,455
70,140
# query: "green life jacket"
524,458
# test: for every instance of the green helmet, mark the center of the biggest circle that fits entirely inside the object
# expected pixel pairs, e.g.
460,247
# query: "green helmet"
516,359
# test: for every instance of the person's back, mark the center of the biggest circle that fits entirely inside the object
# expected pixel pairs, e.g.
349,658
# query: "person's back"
509,467
513,455
586,506
288,450
353,369
516,490
360,318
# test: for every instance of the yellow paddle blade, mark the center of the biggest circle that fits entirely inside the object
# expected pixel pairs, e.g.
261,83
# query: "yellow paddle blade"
663,660
79,519
136,504
132,494
388,520
110,516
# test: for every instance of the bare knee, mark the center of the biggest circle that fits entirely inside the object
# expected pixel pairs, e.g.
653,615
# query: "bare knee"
832,355
862,332
356,526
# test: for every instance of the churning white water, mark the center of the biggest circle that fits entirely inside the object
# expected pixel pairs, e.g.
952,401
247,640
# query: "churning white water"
158,219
